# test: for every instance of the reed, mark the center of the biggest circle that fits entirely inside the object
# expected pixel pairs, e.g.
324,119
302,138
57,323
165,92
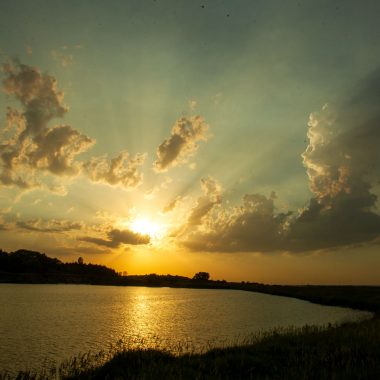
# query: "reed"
347,351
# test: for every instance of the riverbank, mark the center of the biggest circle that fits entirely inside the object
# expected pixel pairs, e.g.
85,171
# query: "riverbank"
348,351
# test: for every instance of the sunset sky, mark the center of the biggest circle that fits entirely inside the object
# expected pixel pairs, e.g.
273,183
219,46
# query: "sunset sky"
237,137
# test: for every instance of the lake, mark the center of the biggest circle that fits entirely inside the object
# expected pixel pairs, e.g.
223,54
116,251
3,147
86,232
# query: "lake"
52,322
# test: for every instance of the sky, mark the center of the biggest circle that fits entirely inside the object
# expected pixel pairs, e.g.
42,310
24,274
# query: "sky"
234,137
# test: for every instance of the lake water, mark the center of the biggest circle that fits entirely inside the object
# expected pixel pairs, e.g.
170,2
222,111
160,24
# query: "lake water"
54,322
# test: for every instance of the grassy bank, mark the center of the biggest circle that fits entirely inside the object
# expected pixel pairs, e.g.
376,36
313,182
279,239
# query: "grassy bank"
346,352
355,297
349,351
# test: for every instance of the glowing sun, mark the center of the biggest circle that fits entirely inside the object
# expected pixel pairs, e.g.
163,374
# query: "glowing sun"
147,227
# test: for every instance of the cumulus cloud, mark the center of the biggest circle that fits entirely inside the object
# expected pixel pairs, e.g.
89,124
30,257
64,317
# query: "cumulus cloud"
121,170
115,238
182,143
37,92
253,226
29,145
31,148
343,165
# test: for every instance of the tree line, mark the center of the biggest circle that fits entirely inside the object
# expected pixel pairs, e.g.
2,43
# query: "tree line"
25,261
32,266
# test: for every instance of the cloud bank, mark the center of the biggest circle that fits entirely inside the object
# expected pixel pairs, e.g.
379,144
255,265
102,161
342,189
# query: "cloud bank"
116,237
342,162
51,226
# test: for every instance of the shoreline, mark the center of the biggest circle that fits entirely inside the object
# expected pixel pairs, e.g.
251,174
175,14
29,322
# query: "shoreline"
348,350
357,297
344,347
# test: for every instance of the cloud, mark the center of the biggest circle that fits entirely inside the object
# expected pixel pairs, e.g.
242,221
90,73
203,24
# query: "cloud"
121,170
253,226
152,192
205,203
37,92
116,237
343,165
171,205
64,58
182,143
51,226
3,225
30,147
57,148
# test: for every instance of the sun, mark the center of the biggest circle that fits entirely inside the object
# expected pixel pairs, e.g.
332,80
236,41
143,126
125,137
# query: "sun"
144,226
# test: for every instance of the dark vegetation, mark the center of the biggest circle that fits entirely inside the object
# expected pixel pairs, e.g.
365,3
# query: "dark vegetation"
201,276
25,266
348,351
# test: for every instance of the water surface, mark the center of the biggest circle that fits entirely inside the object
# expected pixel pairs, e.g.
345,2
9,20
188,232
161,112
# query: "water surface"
54,322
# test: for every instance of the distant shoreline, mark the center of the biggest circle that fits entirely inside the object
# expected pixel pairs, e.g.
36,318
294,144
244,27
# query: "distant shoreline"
30,267
360,297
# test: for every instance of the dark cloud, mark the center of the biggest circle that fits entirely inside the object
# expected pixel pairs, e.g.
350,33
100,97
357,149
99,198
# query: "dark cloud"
52,226
76,251
253,226
182,143
343,165
116,237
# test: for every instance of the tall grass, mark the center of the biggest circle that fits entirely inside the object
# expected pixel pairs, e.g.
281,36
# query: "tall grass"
348,351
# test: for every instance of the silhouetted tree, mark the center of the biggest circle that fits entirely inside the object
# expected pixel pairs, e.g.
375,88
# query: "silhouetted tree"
201,276
24,261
